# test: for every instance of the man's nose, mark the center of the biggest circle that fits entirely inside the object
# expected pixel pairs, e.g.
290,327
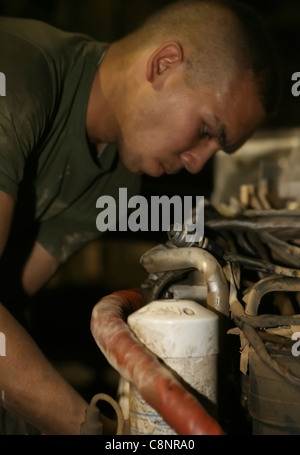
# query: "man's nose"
193,160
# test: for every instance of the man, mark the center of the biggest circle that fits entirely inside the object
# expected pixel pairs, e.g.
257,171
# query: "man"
196,77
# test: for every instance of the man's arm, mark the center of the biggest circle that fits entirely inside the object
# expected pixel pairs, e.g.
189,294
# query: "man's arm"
6,213
31,388
29,385
38,269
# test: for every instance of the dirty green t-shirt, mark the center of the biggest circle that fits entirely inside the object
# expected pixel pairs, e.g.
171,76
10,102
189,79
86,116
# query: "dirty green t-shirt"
46,161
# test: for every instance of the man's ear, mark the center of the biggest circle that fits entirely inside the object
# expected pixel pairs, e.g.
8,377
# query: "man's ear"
166,57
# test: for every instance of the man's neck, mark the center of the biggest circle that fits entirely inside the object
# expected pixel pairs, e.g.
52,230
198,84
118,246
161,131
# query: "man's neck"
100,122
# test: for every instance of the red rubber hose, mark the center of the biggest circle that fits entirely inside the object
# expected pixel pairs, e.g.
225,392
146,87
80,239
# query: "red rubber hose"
135,363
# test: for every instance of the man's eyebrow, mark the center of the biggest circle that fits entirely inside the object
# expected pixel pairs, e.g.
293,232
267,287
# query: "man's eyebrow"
221,133
222,137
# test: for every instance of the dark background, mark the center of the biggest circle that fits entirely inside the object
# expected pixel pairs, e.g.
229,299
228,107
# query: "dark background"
59,315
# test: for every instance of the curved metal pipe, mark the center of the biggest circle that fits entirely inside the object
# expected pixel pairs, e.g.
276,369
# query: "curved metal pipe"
285,223
179,408
160,260
243,321
266,285
290,254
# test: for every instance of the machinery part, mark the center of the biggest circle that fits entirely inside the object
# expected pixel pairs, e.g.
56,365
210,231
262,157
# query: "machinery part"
270,239
262,321
274,403
248,323
264,266
157,260
184,335
156,284
266,285
178,237
97,424
284,223
289,254
156,384
123,400
274,374
181,291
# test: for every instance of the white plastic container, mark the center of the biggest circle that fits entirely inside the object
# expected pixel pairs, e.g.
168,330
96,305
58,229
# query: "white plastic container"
184,335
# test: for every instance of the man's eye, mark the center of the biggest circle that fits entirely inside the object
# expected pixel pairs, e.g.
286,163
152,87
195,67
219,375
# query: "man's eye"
205,133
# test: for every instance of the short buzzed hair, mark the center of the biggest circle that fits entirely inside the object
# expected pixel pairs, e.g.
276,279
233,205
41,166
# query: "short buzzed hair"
226,37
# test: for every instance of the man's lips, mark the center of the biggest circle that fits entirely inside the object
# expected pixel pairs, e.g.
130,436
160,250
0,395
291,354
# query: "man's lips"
168,171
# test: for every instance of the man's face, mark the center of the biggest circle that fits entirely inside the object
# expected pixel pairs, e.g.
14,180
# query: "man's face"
180,127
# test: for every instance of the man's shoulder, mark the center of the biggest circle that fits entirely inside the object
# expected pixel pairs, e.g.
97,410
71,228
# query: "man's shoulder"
36,59
48,39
